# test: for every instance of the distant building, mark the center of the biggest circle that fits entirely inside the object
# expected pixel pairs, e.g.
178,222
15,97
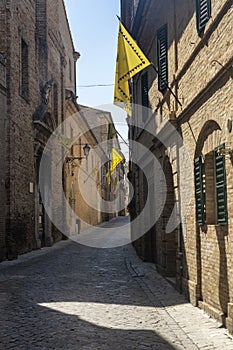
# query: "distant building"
101,123
84,177
191,45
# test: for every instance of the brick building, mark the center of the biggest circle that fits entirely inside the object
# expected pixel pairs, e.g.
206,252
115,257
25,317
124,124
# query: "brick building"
191,46
3,106
39,60
84,176
100,122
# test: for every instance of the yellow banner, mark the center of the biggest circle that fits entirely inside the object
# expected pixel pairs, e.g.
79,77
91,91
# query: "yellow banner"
116,159
130,61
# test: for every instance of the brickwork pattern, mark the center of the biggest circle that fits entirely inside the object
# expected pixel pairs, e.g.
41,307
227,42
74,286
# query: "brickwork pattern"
39,24
200,73
3,106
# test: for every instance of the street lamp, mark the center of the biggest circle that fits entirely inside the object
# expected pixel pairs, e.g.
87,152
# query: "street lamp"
86,151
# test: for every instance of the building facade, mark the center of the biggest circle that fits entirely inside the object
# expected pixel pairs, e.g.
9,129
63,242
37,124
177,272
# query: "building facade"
3,107
190,88
102,126
39,59
84,180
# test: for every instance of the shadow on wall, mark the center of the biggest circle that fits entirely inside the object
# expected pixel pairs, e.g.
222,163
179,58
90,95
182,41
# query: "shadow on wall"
221,233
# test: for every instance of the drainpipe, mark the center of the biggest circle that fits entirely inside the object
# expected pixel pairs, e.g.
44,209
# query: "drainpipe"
76,56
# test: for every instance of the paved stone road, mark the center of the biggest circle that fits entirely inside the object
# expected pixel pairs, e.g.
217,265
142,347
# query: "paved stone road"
74,297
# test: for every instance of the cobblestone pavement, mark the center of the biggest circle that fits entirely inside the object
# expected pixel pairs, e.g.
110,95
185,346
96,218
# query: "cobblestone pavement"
75,297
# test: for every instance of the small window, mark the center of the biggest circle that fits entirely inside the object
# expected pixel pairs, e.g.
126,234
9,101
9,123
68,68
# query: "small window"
24,70
55,103
144,95
210,188
162,48
203,13
70,70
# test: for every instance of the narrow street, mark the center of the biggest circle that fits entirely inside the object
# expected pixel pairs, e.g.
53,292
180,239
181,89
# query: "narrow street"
75,297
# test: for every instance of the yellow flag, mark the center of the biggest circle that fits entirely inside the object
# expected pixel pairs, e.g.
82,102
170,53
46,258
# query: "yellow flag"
130,61
108,177
116,159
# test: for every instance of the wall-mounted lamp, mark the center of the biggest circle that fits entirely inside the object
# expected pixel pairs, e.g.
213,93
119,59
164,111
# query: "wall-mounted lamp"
86,151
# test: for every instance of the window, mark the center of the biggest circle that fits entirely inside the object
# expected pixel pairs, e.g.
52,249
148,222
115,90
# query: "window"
162,48
144,95
55,103
203,13
24,70
70,70
210,188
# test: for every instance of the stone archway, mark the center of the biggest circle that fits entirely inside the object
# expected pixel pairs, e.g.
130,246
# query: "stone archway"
43,226
44,126
212,278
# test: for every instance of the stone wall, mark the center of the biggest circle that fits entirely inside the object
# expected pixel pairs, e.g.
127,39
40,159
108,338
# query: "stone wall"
32,118
2,154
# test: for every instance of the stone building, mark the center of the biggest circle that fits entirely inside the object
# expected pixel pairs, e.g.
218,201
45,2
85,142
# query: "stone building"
102,126
3,106
39,60
84,176
189,93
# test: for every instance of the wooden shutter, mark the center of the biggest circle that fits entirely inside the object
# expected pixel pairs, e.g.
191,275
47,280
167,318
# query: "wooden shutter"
220,183
162,48
24,69
203,13
144,90
199,191
144,94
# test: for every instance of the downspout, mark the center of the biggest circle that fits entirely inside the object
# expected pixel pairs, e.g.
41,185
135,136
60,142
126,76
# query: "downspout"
179,228
76,56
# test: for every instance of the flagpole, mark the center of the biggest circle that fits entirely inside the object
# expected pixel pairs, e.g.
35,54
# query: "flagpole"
176,98
122,139
156,70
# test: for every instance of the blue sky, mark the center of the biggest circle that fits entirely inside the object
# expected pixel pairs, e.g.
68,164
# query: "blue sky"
94,28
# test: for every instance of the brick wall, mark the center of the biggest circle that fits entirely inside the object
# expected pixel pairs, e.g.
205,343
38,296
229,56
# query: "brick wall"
200,74
2,154
39,24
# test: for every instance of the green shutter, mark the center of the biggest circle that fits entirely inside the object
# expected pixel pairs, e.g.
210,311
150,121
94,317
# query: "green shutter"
144,94
203,13
144,90
162,48
199,191
220,183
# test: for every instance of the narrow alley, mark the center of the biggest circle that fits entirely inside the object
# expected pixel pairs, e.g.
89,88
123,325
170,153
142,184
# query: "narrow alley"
75,297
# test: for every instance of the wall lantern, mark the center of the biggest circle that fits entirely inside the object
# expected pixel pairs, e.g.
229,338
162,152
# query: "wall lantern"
86,151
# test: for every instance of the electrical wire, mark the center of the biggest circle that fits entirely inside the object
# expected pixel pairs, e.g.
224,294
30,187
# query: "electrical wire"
95,85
